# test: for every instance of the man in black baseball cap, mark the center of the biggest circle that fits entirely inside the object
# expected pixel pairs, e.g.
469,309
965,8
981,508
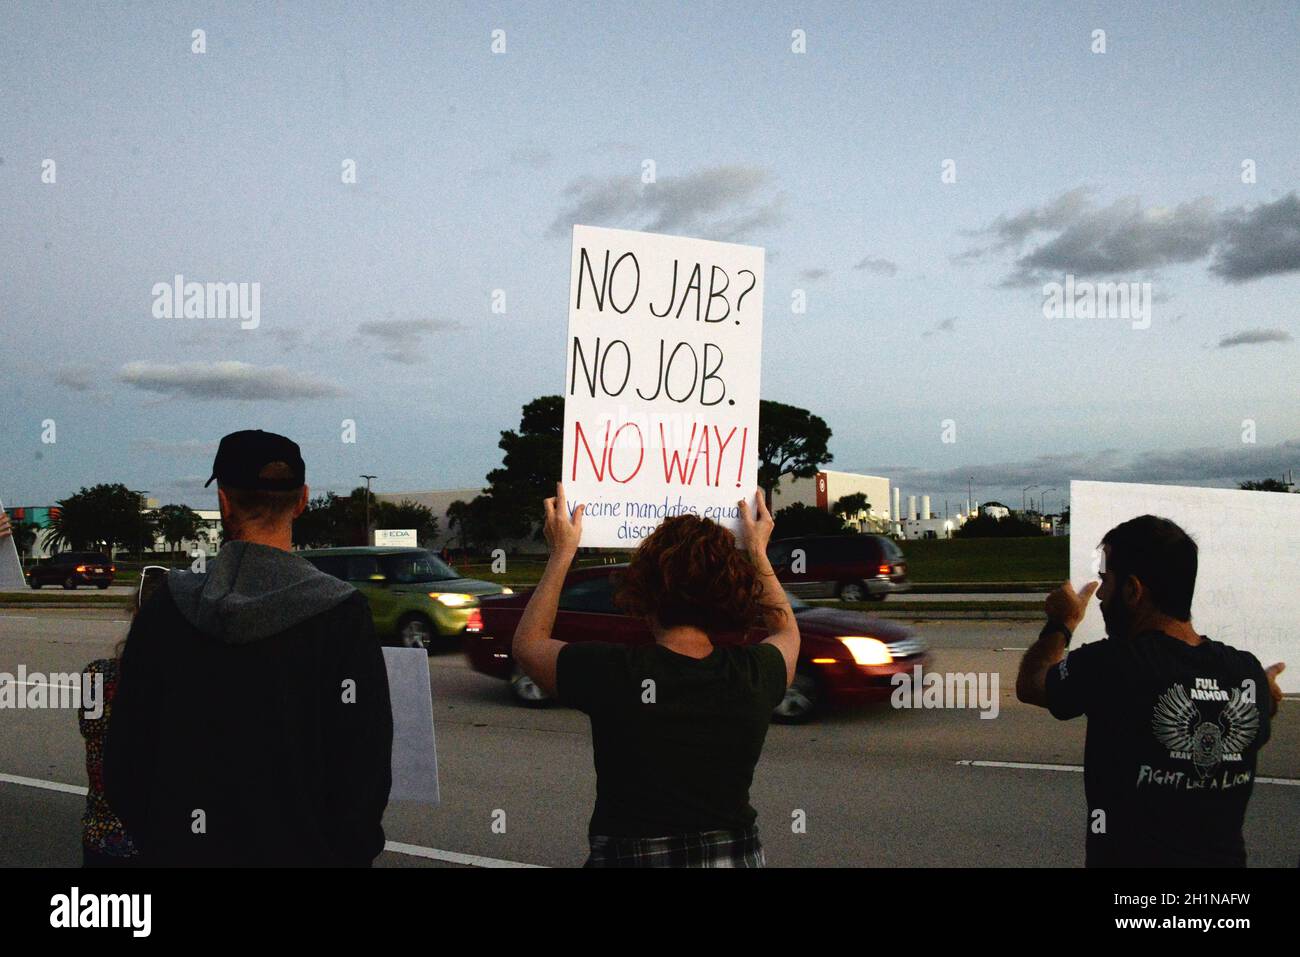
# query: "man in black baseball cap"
251,724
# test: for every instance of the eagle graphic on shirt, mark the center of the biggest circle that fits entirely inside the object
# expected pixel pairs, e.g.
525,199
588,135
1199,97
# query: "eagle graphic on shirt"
1177,724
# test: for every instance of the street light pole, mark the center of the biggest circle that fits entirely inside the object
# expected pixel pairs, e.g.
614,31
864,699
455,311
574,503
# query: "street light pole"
368,478
1022,497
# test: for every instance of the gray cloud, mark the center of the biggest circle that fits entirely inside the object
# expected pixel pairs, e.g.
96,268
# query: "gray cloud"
880,267
1074,236
1222,466
1250,337
1012,231
76,378
812,275
403,340
225,380
1264,241
1122,238
727,203
948,325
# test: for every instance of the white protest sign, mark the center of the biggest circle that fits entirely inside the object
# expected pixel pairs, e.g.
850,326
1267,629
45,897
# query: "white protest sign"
415,754
11,567
1247,587
661,381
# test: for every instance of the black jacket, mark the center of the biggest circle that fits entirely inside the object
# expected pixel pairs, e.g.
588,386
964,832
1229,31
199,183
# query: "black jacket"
252,724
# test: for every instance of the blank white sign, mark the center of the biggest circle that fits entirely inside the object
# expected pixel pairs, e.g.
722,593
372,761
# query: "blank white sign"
1248,578
11,569
415,755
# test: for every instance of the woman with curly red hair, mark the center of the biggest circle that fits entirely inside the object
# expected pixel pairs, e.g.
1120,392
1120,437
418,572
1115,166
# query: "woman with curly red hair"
677,726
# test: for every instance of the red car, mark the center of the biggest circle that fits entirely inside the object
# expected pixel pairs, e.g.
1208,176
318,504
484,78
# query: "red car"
845,657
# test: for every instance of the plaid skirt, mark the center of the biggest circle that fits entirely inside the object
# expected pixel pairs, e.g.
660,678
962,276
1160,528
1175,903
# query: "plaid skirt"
701,849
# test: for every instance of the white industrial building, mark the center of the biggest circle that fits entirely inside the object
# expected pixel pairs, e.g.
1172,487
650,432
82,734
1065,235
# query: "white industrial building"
922,522
826,488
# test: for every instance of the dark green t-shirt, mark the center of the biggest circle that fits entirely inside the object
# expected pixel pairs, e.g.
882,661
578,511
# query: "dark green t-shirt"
675,738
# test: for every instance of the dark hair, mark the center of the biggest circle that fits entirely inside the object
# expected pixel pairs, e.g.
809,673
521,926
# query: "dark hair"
690,572
258,506
1161,556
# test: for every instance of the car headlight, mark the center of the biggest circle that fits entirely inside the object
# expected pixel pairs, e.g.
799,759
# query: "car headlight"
507,591
868,651
452,599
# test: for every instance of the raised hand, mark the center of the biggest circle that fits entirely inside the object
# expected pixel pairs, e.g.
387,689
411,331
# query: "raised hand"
562,533
1068,606
756,527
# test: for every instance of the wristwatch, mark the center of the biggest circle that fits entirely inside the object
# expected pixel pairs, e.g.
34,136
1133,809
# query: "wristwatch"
1055,627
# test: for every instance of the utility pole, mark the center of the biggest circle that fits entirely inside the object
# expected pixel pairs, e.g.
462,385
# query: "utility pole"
368,478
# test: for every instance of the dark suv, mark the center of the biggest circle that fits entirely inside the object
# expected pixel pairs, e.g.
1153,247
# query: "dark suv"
71,569
849,567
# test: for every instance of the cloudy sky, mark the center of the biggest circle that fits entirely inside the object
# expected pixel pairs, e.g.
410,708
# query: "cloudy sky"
1170,158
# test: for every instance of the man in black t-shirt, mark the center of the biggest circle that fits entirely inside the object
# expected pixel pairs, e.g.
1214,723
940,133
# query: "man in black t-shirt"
1175,720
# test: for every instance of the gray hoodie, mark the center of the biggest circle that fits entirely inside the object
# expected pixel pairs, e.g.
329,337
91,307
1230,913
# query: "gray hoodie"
252,591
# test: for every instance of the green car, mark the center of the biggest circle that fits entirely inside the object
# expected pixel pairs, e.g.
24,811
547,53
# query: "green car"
415,597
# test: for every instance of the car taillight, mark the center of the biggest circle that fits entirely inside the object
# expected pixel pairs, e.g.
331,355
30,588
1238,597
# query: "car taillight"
884,569
112,568
80,568
475,622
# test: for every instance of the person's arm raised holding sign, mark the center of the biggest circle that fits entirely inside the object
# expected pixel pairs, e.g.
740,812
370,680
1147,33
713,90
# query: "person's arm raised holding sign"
677,723
778,617
533,647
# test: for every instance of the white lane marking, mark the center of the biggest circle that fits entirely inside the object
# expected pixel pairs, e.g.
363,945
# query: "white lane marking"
95,621
37,684
452,857
397,847
1031,766
43,785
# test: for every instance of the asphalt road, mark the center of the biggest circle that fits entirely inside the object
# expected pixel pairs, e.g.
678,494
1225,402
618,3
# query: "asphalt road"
877,788
117,589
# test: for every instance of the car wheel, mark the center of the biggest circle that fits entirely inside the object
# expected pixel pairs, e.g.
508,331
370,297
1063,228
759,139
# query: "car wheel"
414,631
801,700
526,690
102,587
70,583
852,591
34,584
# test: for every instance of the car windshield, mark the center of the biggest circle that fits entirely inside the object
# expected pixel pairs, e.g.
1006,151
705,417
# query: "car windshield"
411,567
